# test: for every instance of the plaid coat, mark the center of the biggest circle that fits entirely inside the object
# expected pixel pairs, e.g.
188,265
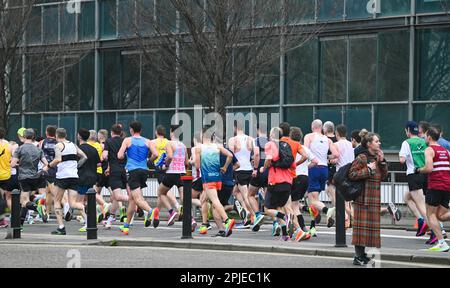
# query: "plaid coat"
366,222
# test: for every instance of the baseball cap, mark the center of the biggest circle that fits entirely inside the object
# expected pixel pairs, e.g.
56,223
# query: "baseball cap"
21,132
413,127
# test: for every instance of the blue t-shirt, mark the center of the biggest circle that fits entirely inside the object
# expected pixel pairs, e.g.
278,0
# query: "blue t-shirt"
210,163
444,143
227,178
137,154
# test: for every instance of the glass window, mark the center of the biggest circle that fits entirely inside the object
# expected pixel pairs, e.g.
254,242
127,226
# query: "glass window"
190,98
85,121
67,122
333,114
106,120
108,19
110,96
15,85
434,113
145,14
146,118
34,121
34,31
50,120
268,85
425,6
79,85
167,16
130,80
358,9
358,118
389,123
393,66
14,123
301,10
267,12
164,118
302,69
330,9
434,64
125,119
363,69
395,7
50,24
86,25
127,17
333,82
67,24
300,116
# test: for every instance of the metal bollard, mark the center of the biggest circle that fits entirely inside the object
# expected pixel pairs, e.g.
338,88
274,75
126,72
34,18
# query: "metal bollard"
15,214
187,207
340,221
91,215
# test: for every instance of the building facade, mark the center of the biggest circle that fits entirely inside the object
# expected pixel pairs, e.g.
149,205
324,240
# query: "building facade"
374,65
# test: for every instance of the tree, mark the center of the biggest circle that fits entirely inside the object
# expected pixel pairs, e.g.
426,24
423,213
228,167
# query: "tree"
36,72
215,49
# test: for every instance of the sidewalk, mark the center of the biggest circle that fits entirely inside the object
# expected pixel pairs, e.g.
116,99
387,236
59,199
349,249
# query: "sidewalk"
397,245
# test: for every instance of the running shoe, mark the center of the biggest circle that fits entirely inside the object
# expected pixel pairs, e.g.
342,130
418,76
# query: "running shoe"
209,226
313,232
108,225
285,238
203,229
440,248
422,227
300,235
220,234
394,211
83,229
276,229
229,227
248,222
256,228
59,231
444,234
41,212
240,209
68,216
193,225
244,225
330,217
4,223
360,261
257,221
314,213
124,230
80,219
433,239
123,214
172,217
147,219
155,217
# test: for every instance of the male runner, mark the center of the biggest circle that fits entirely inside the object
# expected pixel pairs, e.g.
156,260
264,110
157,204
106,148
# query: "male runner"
6,152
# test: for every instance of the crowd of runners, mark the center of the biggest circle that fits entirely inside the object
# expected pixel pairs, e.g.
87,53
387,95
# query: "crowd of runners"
277,175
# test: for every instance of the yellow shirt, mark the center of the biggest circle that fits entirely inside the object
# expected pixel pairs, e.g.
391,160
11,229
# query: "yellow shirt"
99,149
161,145
5,161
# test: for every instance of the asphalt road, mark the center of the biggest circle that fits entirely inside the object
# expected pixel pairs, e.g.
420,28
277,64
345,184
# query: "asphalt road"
67,256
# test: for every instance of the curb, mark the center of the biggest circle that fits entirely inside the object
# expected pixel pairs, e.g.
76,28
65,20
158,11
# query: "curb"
418,259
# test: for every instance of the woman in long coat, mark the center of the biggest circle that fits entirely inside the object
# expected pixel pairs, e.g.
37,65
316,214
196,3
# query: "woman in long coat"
371,167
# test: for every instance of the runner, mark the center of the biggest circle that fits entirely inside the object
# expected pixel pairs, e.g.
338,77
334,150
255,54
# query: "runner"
259,182
48,147
208,159
329,131
66,155
437,165
176,161
442,141
137,149
198,198
28,157
278,160
242,146
412,153
318,175
6,181
116,173
87,173
300,186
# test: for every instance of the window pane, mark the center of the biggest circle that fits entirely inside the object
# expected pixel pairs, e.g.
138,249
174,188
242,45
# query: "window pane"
301,10
330,9
333,114
14,123
334,71
302,70
50,24
268,85
125,119
68,122
15,84
395,7
424,6
363,69
85,121
106,120
434,113
130,81
146,14
164,118
67,24
34,121
49,120
110,98
358,118
127,17
146,118
108,19
86,26
358,9
34,32
300,117
389,123
167,16
434,61
393,66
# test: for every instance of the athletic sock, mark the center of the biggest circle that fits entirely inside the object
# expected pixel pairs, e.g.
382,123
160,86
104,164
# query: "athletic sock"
284,230
313,224
301,221
280,215
325,210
